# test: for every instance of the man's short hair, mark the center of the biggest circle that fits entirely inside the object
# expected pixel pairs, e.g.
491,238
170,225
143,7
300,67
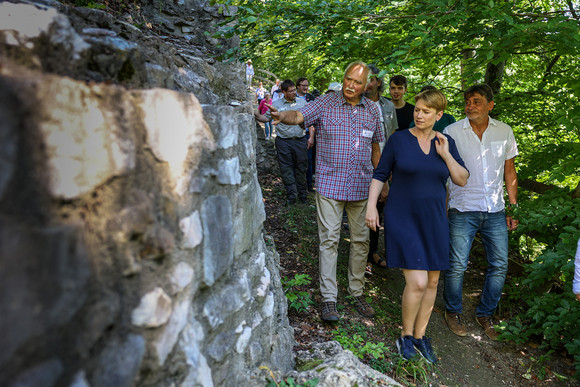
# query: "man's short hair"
286,84
355,64
483,90
433,99
399,80
300,80
375,71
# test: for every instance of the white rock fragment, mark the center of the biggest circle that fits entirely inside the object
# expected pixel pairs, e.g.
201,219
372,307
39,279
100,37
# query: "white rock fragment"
153,311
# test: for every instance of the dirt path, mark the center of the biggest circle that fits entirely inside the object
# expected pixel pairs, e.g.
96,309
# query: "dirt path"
464,361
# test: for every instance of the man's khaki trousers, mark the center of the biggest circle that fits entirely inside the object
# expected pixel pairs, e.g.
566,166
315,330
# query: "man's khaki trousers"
329,213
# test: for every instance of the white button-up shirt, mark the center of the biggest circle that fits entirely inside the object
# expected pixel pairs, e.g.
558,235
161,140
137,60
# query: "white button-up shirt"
485,161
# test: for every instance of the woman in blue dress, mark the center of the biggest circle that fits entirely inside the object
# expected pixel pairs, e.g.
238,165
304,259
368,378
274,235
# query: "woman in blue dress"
416,229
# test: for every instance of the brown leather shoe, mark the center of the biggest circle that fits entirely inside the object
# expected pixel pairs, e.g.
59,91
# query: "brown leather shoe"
329,312
455,323
363,307
487,324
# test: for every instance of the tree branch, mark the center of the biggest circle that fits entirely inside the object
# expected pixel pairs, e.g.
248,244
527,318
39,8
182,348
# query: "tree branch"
536,186
549,68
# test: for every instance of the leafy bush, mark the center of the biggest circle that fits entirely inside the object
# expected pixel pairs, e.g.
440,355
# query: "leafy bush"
297,299
550,312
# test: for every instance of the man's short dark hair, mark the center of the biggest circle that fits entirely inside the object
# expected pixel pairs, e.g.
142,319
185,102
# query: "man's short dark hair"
483,90
375,71
286,84
399,80
300,80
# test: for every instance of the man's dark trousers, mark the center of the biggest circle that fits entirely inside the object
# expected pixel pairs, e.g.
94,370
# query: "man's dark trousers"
293,160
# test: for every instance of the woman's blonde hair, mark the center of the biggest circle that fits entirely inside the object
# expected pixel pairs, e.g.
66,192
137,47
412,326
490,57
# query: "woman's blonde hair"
433,99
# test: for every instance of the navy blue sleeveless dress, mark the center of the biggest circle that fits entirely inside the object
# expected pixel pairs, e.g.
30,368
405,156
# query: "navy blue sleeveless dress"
416,227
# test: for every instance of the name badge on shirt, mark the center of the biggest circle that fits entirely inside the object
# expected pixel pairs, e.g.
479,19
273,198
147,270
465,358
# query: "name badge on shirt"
367,133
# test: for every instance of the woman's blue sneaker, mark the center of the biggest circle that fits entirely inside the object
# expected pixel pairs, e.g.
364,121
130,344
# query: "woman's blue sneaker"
406,347
423,346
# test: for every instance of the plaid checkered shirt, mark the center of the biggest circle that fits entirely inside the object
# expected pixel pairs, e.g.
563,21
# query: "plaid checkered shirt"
344,137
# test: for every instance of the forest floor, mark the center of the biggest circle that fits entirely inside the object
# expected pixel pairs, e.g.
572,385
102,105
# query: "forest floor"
463,361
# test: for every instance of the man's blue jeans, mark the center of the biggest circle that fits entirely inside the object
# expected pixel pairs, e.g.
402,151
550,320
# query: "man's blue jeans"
462,229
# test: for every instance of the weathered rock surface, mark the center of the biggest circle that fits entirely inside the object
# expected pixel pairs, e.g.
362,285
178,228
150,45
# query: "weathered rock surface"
131,240
335,367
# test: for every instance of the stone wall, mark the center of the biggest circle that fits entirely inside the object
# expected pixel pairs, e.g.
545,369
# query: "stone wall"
131,240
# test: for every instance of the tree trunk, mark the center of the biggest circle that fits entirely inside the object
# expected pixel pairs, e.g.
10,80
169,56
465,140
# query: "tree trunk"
494,76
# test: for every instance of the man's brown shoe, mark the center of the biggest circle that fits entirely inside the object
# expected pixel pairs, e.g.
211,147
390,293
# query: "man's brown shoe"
455,323
329,312
363,307
487,325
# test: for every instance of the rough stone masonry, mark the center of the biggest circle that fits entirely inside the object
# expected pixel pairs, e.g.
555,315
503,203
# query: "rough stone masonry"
131,243
131,240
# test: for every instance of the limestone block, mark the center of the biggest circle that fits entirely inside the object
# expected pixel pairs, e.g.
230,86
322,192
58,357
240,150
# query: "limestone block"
192,230
264,285
157,76
119,362
39,21
166,341
85,141
222,304
218,246
247,143
243,340
153,311
268,307
223,344
229,171
43,374
43,279
181,276
339,368
250,215
199,371
176,130
221,121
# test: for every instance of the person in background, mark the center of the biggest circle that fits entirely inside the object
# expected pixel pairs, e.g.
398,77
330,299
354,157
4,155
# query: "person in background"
260,93
398,89
249,72
291,145
374,92
348,133
445,121
489,149
275,87
416,230
576,281
302,86
263,108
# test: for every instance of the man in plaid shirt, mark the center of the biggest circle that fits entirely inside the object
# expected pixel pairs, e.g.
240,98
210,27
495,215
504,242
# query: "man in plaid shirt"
347,136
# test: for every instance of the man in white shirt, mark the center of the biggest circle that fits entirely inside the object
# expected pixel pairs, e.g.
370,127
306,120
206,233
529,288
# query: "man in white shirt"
488,148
